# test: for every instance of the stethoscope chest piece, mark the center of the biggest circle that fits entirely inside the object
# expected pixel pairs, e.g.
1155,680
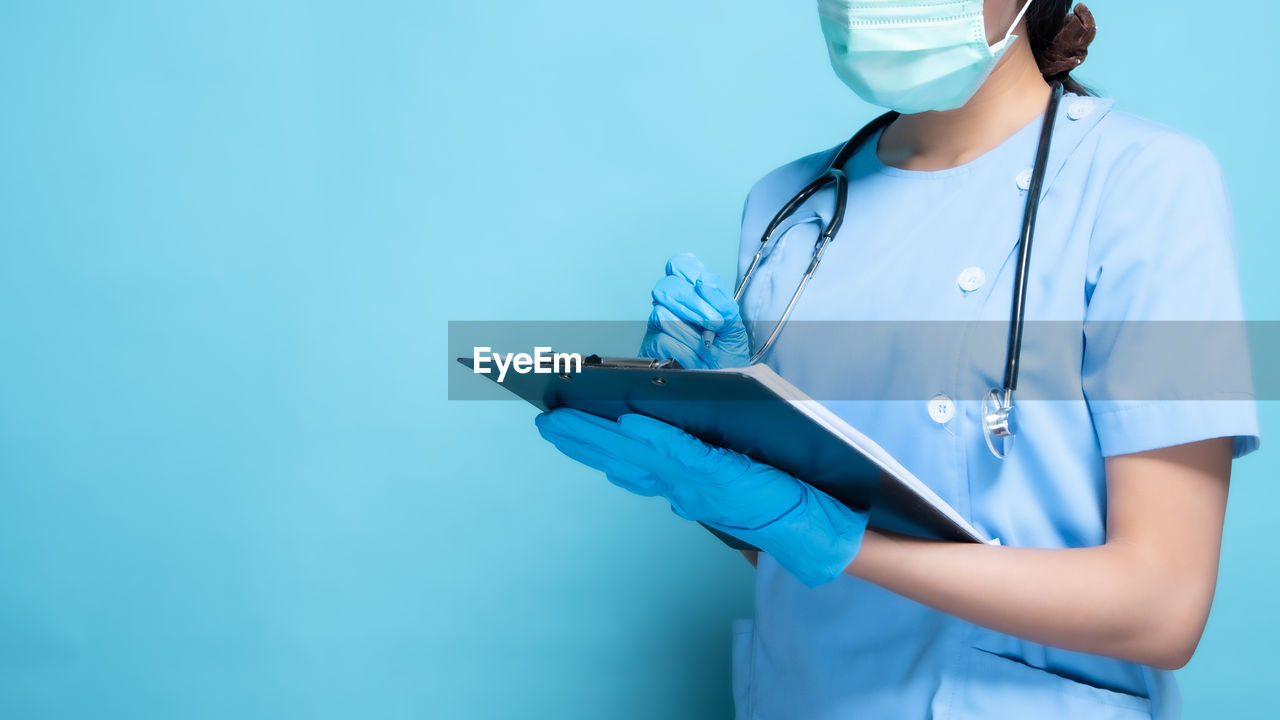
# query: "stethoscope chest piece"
998,422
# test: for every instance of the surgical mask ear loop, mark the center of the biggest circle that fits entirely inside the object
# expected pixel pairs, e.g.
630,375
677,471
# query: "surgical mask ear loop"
1016,19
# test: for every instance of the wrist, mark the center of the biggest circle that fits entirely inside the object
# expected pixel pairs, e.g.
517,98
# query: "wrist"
815,541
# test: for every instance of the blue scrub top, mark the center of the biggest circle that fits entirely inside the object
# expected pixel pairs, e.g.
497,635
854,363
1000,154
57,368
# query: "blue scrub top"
1134,230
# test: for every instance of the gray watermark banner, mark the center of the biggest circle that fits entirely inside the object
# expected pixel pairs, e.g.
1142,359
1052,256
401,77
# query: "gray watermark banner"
830,361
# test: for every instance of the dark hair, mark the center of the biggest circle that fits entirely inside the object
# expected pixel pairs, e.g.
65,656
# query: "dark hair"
1060,38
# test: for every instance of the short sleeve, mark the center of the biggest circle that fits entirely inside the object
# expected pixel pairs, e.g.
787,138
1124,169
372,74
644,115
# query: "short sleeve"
1166,356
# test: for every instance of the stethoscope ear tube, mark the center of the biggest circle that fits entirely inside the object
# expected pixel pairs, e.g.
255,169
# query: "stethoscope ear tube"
834,175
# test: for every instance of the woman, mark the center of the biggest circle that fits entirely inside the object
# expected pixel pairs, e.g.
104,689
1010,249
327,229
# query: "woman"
1109,506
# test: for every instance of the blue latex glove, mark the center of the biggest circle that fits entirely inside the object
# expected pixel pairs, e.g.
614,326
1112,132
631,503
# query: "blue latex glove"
687,301
809,533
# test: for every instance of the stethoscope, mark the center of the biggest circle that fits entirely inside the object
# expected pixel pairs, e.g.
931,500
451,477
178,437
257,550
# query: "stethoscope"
997,406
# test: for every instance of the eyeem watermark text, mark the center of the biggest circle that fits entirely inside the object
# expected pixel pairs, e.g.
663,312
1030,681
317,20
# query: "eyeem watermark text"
542,361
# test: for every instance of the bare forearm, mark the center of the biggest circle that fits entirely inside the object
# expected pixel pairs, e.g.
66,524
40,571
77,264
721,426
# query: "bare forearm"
1104,600
1143,596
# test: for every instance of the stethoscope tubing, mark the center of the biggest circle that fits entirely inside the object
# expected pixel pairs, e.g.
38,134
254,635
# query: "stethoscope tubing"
834,175
1013,353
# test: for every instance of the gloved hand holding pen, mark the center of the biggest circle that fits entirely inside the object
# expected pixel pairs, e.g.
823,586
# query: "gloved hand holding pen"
691,306
812,535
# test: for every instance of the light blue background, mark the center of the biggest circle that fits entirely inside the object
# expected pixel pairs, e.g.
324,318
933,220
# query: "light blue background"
231,235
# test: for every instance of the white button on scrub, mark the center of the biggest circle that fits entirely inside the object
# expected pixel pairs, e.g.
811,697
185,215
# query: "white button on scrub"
971,278
1080,108
941,409
1024,180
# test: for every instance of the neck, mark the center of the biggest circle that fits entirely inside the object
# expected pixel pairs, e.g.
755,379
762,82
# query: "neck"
1013,95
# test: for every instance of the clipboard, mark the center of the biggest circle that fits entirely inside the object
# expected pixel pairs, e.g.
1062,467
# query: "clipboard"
756,412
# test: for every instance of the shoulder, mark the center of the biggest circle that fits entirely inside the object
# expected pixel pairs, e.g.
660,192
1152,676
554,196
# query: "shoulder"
1126,129
1131,147
783,182
770,193
1161,224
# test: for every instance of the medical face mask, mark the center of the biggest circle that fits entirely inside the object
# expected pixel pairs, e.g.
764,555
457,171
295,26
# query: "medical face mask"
912,56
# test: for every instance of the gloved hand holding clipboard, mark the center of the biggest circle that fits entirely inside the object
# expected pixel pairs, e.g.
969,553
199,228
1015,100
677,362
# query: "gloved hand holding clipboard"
754,411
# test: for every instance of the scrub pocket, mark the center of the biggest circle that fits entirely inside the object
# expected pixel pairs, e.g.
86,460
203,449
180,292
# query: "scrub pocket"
743,633
1000,688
